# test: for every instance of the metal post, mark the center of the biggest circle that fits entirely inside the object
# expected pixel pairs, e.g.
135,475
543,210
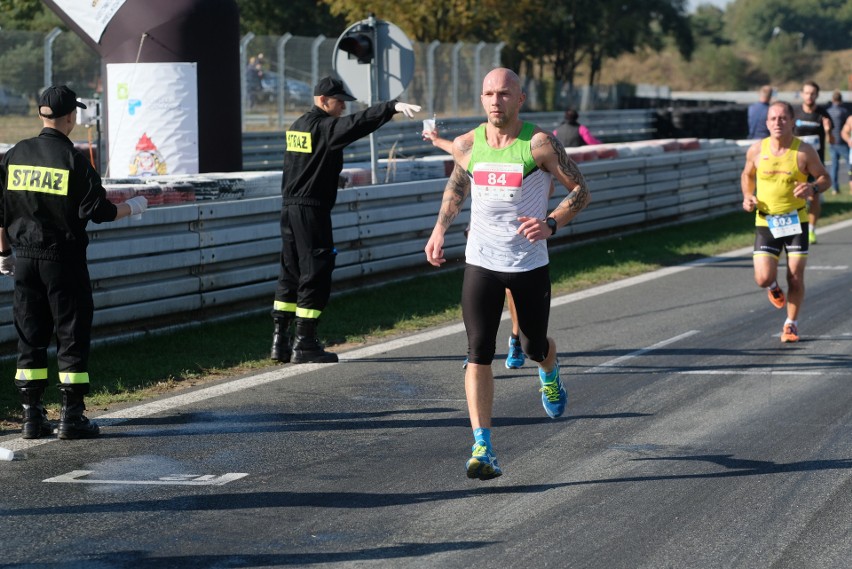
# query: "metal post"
376,67
315,58
455,67
48,56
477,71
498,49
430,77
282,78
246,39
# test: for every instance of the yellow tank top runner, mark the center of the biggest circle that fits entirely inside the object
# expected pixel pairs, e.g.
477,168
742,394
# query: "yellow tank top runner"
776,178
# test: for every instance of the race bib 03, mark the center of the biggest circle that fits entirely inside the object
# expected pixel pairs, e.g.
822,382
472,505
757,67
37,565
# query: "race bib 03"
784,225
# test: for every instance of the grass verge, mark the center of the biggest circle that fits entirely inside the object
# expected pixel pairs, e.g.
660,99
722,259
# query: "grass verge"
157,364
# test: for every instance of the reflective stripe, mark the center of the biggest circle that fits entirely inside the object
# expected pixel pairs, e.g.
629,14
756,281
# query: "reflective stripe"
284,306
38,179
73,377
299,142
31,374
308,313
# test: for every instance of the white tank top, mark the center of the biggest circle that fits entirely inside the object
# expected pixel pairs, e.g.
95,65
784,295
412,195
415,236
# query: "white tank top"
506,184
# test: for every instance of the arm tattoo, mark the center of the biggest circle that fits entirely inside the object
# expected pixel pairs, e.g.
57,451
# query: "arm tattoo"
577,198
458,187
575,201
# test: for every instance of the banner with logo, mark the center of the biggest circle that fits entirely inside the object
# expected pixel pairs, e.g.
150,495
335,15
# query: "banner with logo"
153,119
92,16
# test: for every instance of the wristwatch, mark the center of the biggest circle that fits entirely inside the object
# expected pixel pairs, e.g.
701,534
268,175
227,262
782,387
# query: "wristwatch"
551,223
815,189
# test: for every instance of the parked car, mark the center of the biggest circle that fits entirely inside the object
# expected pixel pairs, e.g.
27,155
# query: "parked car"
11,103
295,92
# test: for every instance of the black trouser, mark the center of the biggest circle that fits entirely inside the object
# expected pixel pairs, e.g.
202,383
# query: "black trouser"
307,259
48,294
483,295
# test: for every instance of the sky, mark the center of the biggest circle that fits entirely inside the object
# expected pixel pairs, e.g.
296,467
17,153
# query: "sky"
693,4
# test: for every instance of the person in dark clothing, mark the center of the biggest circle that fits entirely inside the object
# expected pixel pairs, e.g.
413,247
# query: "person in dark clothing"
571,133
48,194
757,113
813,125
313,161
839,149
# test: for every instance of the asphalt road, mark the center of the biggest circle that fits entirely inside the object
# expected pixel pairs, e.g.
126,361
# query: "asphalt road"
693,438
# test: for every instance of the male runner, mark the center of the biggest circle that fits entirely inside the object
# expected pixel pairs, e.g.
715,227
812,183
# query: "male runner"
506,166
775,185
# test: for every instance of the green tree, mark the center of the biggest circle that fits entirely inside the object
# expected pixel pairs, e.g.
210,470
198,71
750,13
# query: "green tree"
787,58
826,23
426,20
21,53
715,67
298,17
619,27
708,25
30,15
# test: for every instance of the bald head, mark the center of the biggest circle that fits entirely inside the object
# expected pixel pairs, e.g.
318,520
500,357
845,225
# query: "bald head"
502,97
504,77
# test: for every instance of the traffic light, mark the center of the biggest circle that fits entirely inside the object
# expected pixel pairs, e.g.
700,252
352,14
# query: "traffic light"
358,43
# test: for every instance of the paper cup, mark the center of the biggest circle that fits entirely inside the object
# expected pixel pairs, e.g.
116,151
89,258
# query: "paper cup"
428,125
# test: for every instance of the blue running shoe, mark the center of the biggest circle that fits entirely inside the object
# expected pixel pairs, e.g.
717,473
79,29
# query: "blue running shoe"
553,394
464,365
482,464
515,358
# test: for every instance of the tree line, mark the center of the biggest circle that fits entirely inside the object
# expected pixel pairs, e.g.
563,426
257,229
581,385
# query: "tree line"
750,42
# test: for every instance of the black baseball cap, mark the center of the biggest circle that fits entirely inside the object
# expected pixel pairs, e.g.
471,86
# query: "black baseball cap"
61,101
331,87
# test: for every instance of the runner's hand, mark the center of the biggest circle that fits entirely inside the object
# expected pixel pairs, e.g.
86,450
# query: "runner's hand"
533,229
435,250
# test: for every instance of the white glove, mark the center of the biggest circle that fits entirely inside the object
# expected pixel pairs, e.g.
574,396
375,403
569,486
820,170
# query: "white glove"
406,109
7,265
137,205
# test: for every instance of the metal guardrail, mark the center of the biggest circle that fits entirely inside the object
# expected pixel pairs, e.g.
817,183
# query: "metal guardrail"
401,137
190,262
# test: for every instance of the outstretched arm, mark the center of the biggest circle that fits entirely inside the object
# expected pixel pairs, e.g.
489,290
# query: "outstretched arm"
444,144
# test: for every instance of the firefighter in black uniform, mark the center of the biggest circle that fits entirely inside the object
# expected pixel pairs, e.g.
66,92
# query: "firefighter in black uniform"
312,165
48,193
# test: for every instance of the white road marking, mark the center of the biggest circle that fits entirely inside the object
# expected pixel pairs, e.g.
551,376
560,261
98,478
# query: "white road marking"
76,477
749,372
631,355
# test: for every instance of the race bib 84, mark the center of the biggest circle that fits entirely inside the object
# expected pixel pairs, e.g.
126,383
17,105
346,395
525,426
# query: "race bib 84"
498,181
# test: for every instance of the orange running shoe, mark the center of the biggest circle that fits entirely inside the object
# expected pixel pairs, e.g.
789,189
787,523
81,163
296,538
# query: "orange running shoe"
790,333
776,297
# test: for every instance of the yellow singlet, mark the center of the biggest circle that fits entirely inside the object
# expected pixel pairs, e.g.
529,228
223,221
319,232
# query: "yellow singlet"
776,178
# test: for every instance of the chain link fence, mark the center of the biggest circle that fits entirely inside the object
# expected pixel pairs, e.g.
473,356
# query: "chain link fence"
278,74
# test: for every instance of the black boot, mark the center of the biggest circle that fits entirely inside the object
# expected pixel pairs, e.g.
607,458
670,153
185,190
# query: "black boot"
72,423
36,424
306,348
282,339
